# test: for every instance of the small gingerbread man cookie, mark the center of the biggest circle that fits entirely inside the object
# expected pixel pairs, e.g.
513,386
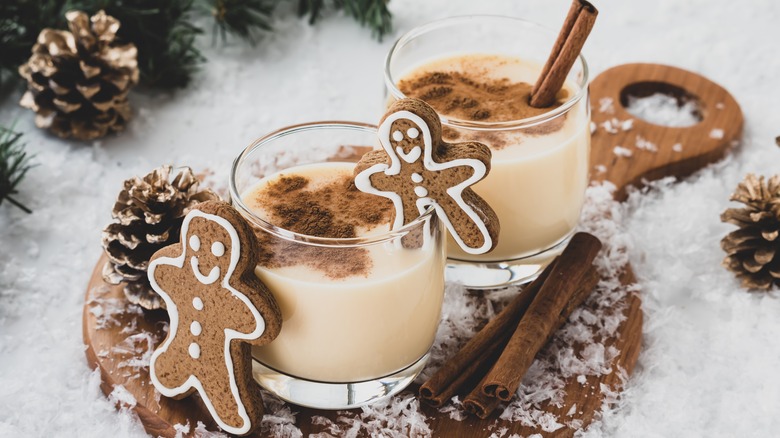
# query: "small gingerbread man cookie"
217,307
416,169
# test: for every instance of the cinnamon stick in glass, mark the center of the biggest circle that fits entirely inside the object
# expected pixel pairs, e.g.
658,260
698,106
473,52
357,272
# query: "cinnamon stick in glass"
472,362
575,30
573,272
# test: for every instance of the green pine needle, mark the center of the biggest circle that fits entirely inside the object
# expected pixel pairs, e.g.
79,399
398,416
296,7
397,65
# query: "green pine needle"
14,164
243,18
371,13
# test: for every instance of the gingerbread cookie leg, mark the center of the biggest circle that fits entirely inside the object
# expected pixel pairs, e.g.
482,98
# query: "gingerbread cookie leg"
229,391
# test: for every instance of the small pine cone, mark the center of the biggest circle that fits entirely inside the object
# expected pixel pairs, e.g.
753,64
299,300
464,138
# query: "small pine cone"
148,215
78,81
754,249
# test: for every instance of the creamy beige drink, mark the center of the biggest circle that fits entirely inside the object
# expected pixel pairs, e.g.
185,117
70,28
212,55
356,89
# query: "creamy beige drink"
538,173
350,313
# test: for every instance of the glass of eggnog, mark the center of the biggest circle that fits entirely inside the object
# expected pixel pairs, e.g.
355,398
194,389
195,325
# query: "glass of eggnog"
478,73
360,303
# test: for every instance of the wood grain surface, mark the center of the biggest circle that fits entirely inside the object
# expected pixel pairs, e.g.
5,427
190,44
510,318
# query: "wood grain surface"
699,148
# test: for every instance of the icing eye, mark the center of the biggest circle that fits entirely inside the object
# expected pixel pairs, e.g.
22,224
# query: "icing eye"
218,249
195,243
412,132
398,135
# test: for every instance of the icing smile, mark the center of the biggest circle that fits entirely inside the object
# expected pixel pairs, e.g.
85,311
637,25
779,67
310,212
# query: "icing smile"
412,156
205,279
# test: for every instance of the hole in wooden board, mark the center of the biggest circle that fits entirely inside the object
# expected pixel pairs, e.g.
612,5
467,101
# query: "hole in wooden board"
661,103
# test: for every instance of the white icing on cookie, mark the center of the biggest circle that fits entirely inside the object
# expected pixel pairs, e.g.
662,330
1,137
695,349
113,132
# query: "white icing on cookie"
363,180
410,157
195,243
413,133
195,328
398,135
205,279
417,178
421,191
218,249
230,334
194,350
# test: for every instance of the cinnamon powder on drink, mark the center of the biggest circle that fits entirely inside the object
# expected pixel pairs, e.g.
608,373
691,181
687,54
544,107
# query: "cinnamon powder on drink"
336,209
475,96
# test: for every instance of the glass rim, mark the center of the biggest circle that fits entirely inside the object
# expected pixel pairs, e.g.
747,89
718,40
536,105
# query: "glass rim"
283,233
476,125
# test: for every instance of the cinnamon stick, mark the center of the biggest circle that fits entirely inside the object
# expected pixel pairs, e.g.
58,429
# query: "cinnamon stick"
471,363
482,405
572,273
575,30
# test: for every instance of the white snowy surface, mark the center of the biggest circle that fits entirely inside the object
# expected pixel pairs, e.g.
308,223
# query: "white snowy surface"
711,354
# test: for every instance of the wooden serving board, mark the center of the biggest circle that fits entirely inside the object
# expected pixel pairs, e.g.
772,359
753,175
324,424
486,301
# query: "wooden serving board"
113,343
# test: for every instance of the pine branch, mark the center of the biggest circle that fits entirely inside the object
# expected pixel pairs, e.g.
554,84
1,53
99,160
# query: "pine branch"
371,13
164,30
14,164
243,18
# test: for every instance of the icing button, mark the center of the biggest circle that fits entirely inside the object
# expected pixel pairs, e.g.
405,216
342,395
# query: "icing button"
420,191
416,177
194,350
196,328
197,303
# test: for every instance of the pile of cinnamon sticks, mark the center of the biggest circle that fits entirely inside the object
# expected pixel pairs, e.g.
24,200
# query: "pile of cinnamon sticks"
490,367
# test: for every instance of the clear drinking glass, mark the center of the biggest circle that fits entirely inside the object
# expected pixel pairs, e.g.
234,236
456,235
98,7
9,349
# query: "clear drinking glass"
539,169
344,341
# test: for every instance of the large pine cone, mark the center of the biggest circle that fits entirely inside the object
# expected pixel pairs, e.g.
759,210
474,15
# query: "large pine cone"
78,81
148,216
754,249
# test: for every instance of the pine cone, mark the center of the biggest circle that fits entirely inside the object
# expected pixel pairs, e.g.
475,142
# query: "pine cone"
78,81
754,249
148,216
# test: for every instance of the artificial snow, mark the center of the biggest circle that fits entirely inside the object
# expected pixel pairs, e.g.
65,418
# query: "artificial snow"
620,151
709,361
665,110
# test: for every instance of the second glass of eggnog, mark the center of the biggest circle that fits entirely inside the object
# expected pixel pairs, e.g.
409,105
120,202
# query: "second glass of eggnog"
478,72
360,303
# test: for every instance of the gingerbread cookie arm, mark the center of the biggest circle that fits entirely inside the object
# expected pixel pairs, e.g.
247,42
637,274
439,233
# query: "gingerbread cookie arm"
371,158
377,173
261,298
447,152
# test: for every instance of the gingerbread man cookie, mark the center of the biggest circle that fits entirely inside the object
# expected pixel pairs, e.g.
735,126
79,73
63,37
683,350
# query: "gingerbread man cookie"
416,170
217,307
